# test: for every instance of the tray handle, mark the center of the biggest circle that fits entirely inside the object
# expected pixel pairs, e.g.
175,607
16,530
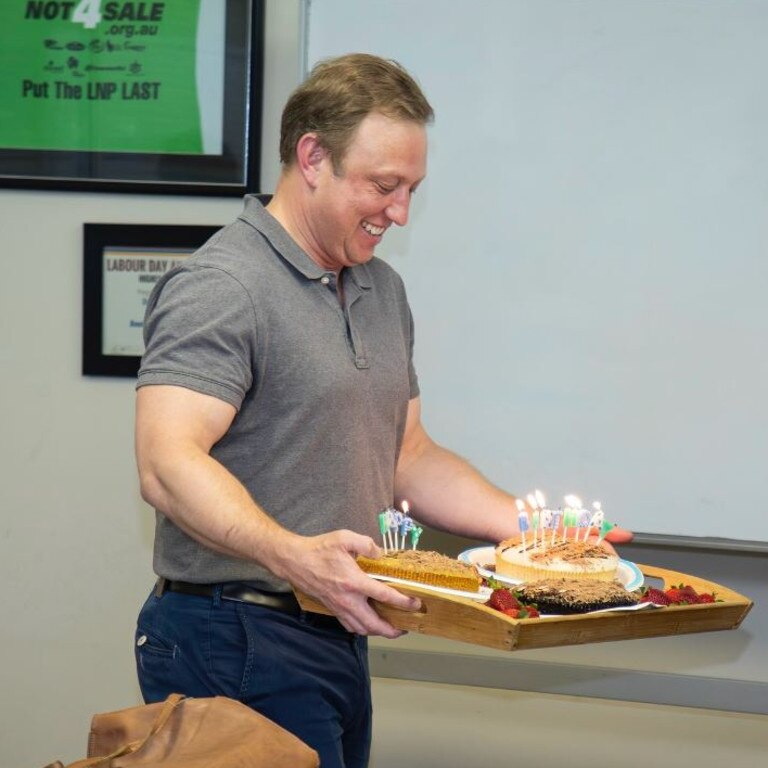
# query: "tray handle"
701,585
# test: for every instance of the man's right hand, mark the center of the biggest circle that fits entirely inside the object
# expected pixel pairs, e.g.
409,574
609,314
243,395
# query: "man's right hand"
324,566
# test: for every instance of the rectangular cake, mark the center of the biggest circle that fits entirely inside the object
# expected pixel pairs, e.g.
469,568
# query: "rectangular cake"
424,567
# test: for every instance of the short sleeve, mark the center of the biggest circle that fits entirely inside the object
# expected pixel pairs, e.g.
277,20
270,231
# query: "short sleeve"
200,333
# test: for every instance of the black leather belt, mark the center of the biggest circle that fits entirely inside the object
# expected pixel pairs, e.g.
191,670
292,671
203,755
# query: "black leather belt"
285,602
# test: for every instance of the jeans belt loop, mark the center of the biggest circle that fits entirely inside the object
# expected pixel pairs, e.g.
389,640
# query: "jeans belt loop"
160,586
217,596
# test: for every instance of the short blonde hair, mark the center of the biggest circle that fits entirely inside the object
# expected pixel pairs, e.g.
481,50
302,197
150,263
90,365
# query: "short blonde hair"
337,96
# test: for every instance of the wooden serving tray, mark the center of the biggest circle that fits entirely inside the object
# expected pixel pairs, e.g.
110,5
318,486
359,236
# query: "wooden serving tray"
470,621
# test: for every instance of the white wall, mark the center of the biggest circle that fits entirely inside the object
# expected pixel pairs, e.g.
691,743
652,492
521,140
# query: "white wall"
75,537
595,214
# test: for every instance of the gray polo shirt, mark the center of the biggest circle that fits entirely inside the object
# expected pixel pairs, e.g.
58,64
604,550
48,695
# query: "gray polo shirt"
321,390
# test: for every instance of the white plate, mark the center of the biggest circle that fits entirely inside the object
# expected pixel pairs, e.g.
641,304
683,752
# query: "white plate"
628,573
483,594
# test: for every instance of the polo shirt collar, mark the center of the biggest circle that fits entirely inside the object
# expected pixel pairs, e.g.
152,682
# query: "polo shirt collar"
258,217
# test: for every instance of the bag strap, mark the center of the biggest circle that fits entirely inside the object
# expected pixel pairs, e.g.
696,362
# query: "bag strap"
169,706
171,703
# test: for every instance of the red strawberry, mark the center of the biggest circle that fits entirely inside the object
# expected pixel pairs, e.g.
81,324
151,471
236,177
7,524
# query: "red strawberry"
502,599
677,596
653,595
687,589
533,612
706,598
513,613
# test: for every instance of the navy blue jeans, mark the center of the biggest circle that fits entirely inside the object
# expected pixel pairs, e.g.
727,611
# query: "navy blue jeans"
311,680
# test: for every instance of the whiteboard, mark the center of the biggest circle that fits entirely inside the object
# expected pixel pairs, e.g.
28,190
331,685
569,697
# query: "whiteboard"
587,260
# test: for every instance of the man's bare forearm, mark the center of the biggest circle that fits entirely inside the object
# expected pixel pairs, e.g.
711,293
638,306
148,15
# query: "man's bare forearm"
446,492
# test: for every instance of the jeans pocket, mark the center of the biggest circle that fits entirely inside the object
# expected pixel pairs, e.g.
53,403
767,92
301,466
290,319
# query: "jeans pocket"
152,644
156,665
154,656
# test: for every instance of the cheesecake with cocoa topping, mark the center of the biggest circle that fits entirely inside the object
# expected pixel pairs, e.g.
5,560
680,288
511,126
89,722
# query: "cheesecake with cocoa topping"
525,560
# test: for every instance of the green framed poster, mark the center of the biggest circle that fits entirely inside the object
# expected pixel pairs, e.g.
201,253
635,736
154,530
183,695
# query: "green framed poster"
131,96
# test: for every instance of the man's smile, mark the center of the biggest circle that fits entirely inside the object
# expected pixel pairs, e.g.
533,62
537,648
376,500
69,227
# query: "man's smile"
372,229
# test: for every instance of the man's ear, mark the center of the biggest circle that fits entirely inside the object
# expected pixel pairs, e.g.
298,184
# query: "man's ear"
310,155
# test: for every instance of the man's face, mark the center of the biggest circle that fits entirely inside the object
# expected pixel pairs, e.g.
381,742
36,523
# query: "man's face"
385,162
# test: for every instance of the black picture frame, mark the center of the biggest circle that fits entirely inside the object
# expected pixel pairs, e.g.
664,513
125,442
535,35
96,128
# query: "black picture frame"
143,241
235,172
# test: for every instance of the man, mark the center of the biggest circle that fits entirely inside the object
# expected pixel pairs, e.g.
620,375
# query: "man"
278,413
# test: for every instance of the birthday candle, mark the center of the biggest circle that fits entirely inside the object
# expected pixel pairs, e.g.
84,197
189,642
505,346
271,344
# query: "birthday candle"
583,522
547,519
604,528
578,514
405,526
570,519
383,529
390,523
535,525
556,517
597,517
397,517
522,519
415,533
573,519
540,503
406,521
566,516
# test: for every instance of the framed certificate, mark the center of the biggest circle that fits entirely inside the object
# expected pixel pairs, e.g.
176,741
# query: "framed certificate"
121,264
161,97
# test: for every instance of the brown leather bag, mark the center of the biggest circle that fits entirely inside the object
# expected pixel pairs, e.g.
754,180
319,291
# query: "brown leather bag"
212,732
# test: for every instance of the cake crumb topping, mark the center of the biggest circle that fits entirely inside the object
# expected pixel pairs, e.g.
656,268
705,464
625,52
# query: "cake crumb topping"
577,590
577,552
426,567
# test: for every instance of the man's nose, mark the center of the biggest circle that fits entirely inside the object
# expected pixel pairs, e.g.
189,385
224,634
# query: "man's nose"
397,210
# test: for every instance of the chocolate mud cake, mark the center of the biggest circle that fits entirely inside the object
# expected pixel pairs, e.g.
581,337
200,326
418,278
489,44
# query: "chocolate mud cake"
566,596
